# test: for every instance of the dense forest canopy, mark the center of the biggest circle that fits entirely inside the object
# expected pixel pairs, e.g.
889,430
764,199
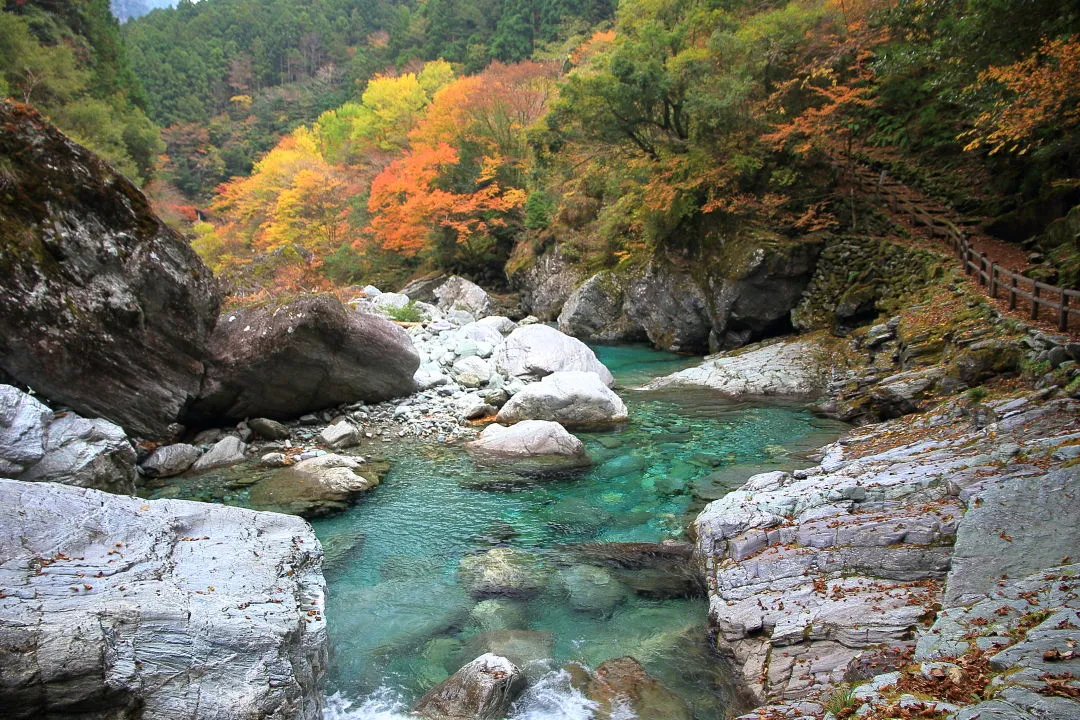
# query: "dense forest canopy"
67,58
316,143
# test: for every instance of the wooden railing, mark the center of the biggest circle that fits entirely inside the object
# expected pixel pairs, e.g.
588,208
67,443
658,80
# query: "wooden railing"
1062,303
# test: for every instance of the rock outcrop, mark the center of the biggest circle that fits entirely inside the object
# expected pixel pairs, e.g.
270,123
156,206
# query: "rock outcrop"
38,445
808,570
116,607
481,690
546,283
786,368
538,350
280,361
105,309
571,398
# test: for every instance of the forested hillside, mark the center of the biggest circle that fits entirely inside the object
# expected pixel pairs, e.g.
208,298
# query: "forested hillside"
129,9
675,127
67,59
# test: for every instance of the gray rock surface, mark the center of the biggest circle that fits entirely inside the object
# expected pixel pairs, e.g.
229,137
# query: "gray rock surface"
94,285
502,571
527,439
539,350
269,429
308,354
481,690
38,446
791,367
546,284
341,434
595,311
459,293
169,460
118,607
229,450
571,398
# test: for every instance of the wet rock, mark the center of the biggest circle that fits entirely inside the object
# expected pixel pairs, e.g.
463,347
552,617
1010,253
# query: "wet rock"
482,690
502,571
528,439
528,649
498,614
539,350
269,429
101,280
315,487
38,446
227,451
461,294
132,587
170,460
622,686
310,353
592,589
571,398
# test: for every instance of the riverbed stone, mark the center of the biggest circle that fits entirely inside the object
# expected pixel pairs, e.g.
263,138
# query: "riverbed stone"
119,607
471,371
481,690
315,487
538,350
502,572
340,435
169,460
592,589
229,450
622,685
528,439
572,398
269,429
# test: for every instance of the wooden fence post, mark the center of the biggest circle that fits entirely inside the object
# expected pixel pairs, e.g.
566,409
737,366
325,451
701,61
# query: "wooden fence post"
1035,300
1063,312
1012,293
993,280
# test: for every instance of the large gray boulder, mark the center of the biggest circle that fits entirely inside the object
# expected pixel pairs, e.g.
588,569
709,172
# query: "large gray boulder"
280,361
105,308
118,607
539,350
36,445
527,439
572,398
546,283
595,311
792,368
229,450
481,690
457,293
170,460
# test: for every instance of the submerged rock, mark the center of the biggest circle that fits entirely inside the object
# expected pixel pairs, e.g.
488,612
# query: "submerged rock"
539,350
315,487
621,688
502,571
566,397
124,607
37,445
592,589
105,308
481,690
281,361
527,649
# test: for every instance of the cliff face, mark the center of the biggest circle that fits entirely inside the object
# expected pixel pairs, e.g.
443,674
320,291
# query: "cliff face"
104,308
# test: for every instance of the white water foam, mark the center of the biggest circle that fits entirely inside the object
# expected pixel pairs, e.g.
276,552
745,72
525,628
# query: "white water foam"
550,698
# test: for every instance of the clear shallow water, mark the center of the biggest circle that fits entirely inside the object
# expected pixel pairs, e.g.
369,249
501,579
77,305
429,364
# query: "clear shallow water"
401,621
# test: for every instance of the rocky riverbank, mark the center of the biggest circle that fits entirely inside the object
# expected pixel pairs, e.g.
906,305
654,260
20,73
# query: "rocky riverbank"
889,554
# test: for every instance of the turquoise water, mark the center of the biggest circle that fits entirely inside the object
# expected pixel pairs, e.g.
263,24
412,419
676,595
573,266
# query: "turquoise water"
401,619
